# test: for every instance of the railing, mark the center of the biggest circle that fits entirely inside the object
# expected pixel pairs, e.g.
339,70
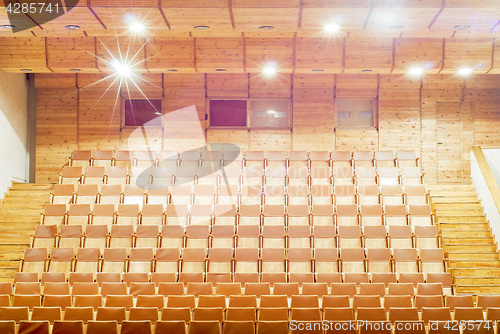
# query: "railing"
18,179
487,189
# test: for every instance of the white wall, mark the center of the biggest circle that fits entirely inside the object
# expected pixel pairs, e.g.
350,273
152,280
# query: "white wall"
492,155
484,195
13,129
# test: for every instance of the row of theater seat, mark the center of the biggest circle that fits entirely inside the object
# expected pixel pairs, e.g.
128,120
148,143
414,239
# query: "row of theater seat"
263,313
240,261
211,195
260,327
351,282
195,289
157,214
226,236
293,176
277,158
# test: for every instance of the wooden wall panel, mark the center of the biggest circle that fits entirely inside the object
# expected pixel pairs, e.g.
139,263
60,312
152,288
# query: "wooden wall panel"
313,118
223,53
19,52
227,85
126,50
270,140
399,120
422,52
266,88
319,53
184,91
356,86
56,131
368,54
260,51
65,53
356,139
466,52
99,119
170,53
241,138
486,116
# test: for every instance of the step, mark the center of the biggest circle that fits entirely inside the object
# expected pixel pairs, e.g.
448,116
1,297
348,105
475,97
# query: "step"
465,233
486,280
16,185
454,199
461,218
439,206
454,212
472,256
475,272
469,263
464,226
478,289
470,248
468,240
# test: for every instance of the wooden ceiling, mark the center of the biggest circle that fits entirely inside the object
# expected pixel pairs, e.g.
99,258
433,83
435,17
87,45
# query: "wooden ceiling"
384,36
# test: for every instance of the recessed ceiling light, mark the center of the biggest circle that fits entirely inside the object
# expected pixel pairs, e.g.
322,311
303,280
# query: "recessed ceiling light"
121,68
416,71
25,70
462,27
332,27
220,70
318,71
7,26
137,27
465,71
269,69
396,26
202,27
75,70
171,70
366,71
72,27
266,27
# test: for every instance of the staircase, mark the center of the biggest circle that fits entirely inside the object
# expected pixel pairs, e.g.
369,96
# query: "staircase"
473,259
19,214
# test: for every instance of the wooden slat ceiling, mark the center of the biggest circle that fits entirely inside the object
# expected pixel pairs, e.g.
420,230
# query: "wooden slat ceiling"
384,36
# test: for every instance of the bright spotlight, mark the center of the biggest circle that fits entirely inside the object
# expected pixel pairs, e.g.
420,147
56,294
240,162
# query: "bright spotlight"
332,27
121,68
137,27
270,70
416,71
465,71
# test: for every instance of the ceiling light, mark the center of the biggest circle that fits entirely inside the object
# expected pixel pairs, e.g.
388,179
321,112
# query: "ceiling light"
318,71
266,27
396,26
7,26
121,68
137,27
332,27
462,27
366,71
171,70
75,70
465,71
26,70
72,27
271,112
202,27
220,70
416,71
269,70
